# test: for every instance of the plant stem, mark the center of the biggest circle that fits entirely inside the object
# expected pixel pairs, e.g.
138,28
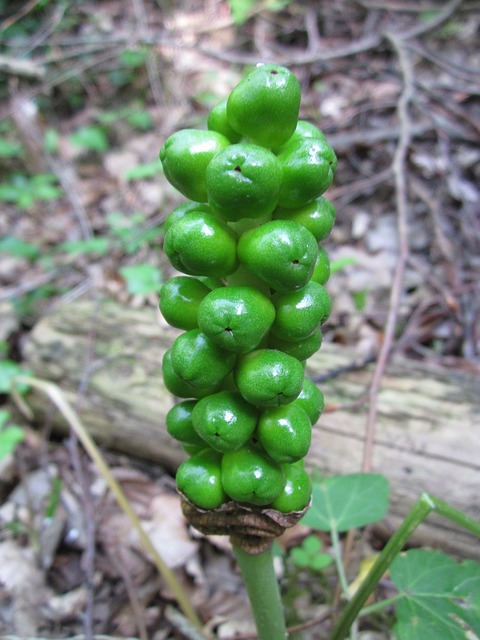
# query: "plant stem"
381,604
263,592
337,554
425,505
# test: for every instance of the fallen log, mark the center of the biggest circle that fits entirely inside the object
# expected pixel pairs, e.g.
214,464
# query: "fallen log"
107,359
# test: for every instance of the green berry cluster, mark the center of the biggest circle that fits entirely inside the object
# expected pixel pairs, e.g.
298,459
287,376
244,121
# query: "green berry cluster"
252,300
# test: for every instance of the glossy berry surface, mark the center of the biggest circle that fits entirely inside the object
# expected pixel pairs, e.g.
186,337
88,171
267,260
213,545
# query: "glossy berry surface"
198,361
297,491
199,479
248,295
282,253
185,157
243,181
264,106
285,432
249,475
236,318
268,377
180,298
225,420
200,244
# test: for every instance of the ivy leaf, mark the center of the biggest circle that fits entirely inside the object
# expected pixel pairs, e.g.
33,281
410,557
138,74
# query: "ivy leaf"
346,502
441,597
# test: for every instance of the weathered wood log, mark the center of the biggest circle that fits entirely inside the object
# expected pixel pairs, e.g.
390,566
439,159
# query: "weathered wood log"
428,431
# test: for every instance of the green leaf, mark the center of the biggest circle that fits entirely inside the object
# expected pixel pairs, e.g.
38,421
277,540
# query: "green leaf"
142,278
341,263
240,9
144,171
141,238
8,371
346,502
9,148
140,120
51,140
19,248
10,437
4,418
99,246
308,554
92,138
441,597
44,187
134,58
360,299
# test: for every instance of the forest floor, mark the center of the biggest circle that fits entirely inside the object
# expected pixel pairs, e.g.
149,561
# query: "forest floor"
89,92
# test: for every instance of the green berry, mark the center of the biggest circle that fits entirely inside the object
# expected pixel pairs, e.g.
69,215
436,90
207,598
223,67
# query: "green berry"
180,298
177,386
199,362
236,318
303,130
297,491
181,210
224,420
321,271
199,479
317,216
267,377
185,156
282,253
179,423
311,400
199,244
308,166
285,432
243,181
218,121
300,313
249,475
264,106
300,349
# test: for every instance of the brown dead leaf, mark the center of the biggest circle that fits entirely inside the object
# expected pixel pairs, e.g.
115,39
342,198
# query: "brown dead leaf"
24,582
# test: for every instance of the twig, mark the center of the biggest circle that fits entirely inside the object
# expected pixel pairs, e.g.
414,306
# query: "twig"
303,58
430,25
27,7
398,169
399,172
152,70
27,124
28,68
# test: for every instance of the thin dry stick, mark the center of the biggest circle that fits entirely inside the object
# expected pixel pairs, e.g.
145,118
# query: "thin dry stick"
399,172
58,398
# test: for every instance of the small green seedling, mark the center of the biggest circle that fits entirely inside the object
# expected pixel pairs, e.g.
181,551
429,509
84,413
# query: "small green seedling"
309,554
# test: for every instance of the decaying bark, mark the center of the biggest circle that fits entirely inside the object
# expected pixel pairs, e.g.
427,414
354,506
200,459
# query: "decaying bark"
428,431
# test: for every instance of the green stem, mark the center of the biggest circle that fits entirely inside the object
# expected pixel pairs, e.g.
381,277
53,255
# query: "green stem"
381,604
337,554
263,592
425,505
